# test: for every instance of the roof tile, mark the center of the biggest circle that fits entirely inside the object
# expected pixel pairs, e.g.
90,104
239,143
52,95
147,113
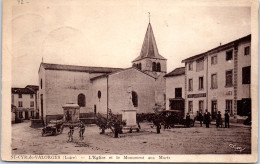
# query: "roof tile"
176,72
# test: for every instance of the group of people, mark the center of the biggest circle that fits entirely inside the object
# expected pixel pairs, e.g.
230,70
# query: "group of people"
206,118
81,132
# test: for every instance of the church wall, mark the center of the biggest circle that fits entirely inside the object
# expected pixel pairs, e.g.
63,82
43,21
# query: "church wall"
160,90
64,87
42,91
142,84
101,104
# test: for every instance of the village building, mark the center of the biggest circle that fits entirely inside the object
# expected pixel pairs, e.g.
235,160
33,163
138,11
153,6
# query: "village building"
101,89
24,102
219,79
62,84
175,89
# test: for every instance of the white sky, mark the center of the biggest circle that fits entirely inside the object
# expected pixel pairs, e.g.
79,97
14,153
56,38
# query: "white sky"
110,33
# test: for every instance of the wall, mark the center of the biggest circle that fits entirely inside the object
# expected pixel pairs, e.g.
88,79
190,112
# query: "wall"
222,93
172,83
194,75
42,76
26,99
64,87
243,61
61,87
160,89
141,83
100,85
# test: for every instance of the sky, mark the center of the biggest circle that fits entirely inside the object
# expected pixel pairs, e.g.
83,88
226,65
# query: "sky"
110,33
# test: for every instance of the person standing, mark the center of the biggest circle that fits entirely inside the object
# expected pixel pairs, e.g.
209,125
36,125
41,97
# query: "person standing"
227,119
81,131
200,118
207,118
218,119
188,120
70,133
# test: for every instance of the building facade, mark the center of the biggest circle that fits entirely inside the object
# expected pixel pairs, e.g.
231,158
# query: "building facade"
119,89
61,84
175,89
99,89
219,79
24,102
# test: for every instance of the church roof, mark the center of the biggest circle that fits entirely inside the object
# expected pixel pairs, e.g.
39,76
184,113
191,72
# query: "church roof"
176,72
79,68
108,74
149,48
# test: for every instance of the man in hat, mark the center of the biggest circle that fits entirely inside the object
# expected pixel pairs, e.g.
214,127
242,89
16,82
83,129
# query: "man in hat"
81,131
218,119
187,120
70,133
207,118
227,119
200,118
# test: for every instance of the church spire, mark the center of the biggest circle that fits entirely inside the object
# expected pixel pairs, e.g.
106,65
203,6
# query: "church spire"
149,47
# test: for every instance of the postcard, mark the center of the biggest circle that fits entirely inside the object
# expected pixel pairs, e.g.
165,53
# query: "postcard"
130,81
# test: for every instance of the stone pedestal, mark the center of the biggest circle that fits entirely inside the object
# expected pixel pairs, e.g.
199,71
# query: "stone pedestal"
130,117
71,112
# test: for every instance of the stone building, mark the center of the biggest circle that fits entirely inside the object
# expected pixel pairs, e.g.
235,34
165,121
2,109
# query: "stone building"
61,84
99,89
24,101
175,89
219,79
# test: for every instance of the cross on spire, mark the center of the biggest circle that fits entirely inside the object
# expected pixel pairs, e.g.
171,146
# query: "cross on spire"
149,16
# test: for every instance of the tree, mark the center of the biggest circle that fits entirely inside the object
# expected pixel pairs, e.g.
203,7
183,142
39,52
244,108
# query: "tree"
113,122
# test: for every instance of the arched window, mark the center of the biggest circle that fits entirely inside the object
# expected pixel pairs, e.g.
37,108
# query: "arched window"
81,100
137,66
140,66
158,67
134,65
99,94
41,83
154,66
135,99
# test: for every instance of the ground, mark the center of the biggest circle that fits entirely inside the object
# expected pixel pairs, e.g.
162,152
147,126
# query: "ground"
179,140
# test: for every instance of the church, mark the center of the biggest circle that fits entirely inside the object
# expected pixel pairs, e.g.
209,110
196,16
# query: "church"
100,89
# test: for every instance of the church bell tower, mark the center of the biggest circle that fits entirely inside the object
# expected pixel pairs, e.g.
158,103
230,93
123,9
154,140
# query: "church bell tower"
152,63
149,60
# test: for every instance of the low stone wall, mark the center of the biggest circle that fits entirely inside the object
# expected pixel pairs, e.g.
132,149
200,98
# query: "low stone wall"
87,115
88,120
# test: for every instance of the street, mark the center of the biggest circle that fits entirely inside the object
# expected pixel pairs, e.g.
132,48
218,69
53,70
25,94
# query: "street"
179,140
